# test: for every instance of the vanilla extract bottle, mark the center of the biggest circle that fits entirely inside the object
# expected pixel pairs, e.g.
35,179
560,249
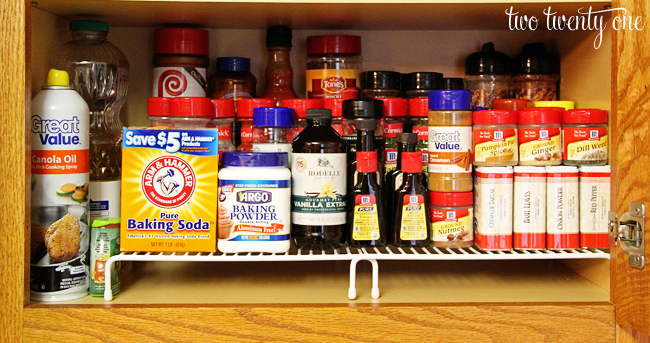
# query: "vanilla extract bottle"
411,226
366,212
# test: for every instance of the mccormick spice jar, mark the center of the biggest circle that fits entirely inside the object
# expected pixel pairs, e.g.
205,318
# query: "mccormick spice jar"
380,84
189,113
566,105
487,76
536,73
540,142
452,219
418,123
529,223
584,134
180,62
223,118
419,84
511,104
493,207
336,106
562,223
395,111
158,112
450,141
244,123
495,138
300,106
333,67
595,194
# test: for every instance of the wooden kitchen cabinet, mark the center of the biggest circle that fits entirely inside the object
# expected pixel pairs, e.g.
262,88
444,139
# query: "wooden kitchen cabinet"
457,301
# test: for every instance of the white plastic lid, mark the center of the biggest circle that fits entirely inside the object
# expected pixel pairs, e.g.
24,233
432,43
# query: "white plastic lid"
561,169
595,169
495,170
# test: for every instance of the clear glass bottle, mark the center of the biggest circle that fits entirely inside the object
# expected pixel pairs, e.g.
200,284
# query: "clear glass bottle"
279,73
487,76
99,72
536,73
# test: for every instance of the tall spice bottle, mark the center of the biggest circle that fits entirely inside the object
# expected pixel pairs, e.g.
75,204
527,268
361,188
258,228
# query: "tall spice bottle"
279,73
366,212
411,226
405,143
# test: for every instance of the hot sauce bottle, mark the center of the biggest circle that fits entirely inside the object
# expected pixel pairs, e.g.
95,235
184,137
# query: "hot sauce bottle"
411,226
366,208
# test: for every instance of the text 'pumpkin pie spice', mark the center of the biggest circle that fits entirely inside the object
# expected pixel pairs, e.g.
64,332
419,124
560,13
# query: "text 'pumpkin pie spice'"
495,138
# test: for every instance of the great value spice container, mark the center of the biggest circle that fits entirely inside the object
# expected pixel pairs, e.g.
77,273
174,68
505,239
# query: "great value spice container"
495,138
333,67
584,134
493,187
180,62
540,141
595,194
562,223
452,219
529,223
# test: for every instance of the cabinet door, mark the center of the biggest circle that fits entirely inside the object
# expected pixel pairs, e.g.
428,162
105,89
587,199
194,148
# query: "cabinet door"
630,124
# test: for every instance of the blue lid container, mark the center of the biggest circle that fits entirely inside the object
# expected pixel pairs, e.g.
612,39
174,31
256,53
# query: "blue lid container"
450,100
255,159
233,64
273,116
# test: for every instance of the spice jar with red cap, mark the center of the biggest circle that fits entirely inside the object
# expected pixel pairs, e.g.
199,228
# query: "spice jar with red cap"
495,138
511,104
336,106
540,142
300,106
190,112
395,112
418,123
452,219
180,62
584,135
333,67
158,112
223,118
244,123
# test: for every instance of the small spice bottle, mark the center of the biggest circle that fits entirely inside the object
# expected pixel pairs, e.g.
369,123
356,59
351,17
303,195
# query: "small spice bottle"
495,138
595,200
566,105
584,134
529,217
190,112
158,112
562,211
233,79
452,219
418,123
419,84
453,83
223,118
493,207
244,123
487,76
180,62
395,112
333,67
511,104
412,221
272,129
380,84
300,106
336,106
540,141
366,214
450,141
536,73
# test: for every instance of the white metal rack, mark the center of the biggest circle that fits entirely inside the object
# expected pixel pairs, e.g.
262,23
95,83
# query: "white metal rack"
354,256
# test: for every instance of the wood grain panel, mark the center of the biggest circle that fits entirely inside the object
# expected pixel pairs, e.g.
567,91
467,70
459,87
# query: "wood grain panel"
624,335
489,323
12,168
630,160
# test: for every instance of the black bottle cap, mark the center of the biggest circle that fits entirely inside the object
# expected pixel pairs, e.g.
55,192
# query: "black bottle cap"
487,61
422,81
381,79
534,59
407,137
453,83
319,113
368,109
278,36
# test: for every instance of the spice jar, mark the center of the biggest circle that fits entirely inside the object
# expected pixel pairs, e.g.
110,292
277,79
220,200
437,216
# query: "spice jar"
495,138
158,112
233,79
180,62
300,106
380,84
333,66
511,104
529,215
562,210
450,141
419,84
536,73
272,129
540,142
244,123
395,111
336,106
584,134
223,118
487,76
566,105
595,201
190,112
418,123
453,83
493,196
452,219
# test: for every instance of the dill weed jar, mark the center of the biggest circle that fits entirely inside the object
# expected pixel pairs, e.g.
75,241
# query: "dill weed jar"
333,66
584,135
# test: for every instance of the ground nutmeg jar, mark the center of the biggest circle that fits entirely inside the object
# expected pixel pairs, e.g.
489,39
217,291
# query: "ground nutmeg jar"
452,219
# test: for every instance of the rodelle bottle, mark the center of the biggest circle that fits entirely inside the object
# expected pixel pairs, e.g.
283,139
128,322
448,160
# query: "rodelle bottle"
366,213
411,226
318,177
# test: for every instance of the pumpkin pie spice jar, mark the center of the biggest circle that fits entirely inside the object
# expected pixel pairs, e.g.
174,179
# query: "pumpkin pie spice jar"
495,138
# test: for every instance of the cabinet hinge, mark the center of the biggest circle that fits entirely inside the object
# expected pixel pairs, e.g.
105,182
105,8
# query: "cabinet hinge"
629,231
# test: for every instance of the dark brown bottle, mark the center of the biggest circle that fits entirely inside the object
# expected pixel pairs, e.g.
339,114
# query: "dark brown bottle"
318,176
412,219
366,213
365,142
405,143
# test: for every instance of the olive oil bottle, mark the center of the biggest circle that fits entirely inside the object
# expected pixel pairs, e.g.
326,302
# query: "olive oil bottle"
366,206
411,225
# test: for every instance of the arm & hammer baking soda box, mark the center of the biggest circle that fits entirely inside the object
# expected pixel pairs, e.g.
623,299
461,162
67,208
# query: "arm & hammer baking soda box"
169,190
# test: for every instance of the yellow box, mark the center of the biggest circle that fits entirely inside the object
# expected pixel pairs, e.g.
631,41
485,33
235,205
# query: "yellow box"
169,190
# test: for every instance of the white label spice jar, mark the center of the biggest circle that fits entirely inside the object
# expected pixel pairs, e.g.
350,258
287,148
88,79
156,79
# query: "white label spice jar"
562,223
493,187
595,200
529,225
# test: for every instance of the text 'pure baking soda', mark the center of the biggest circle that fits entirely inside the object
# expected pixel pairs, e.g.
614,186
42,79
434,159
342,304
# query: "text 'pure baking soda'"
169,190
59,213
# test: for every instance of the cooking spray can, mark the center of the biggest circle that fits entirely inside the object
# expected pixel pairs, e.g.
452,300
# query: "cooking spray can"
59,211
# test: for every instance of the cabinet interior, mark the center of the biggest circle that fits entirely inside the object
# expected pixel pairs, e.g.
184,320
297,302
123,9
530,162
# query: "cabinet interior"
404,38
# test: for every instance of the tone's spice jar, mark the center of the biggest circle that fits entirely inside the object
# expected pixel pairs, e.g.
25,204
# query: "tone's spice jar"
450,141
333,67
495,138
540,142
584,134
452,219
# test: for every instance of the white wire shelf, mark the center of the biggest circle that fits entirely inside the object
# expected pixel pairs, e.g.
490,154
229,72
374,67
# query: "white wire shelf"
354,256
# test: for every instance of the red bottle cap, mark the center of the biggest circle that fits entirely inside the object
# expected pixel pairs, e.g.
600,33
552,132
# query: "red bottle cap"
585,116
158,106
494,117
302,105
367,161
419,107
561,109
540,116
190,107
181,41
335,105
395,107
223,108
246,106
451,199
334,44
511,104
412,162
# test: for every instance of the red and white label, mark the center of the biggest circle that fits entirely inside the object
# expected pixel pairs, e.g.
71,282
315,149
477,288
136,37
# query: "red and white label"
391,130
179,82
246,133
540,144
225,132
495,145
450,225
422,132
168,182
584,144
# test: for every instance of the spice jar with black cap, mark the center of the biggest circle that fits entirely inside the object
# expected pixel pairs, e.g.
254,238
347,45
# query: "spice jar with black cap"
487,76
536,73
453,83
380,84
419,84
